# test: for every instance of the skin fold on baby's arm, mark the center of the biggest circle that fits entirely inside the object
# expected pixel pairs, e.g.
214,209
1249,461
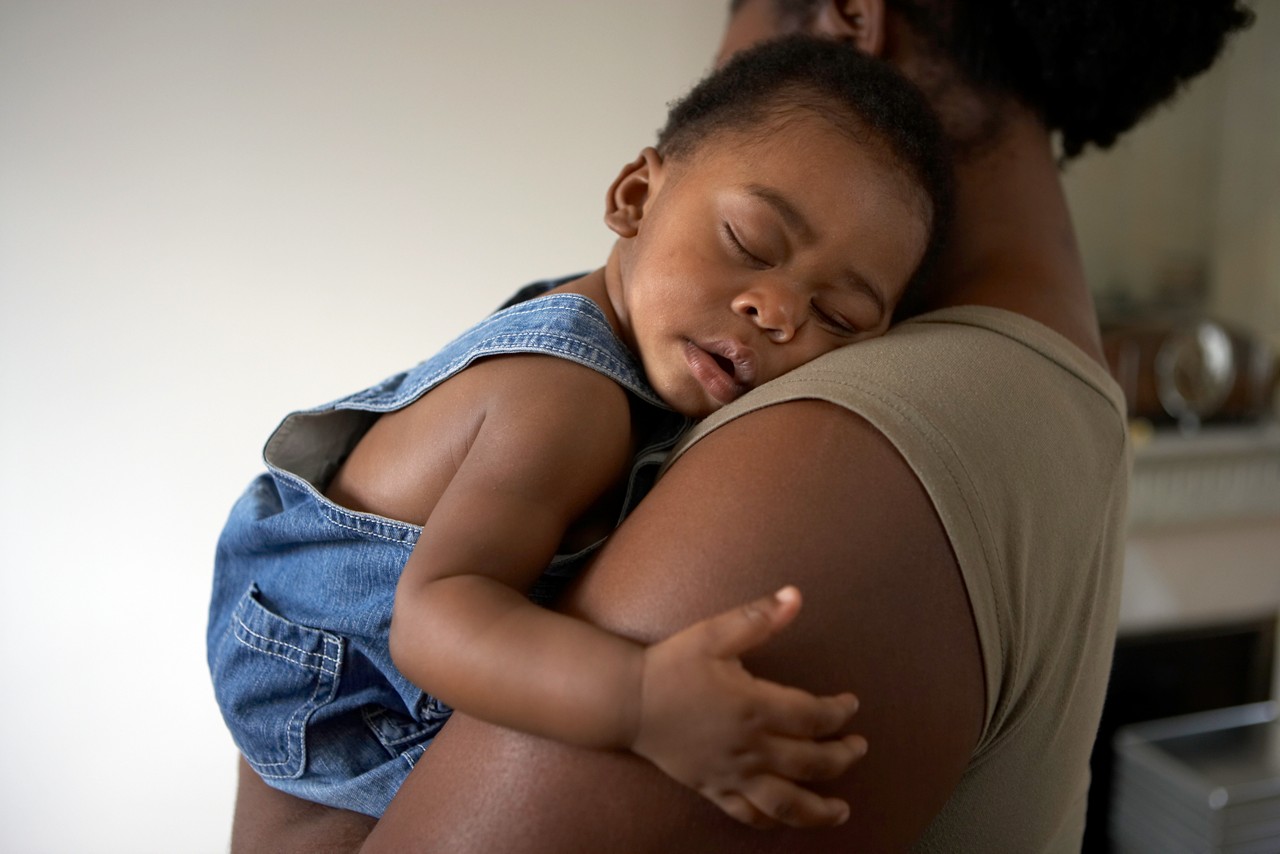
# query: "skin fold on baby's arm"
463,629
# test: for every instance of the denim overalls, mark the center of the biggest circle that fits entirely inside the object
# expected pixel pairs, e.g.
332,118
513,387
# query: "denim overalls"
303,588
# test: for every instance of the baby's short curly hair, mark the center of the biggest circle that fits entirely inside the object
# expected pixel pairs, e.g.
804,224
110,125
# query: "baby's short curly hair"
860,96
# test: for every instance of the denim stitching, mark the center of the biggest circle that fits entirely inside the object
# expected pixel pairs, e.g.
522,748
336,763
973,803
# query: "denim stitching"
294,727
294,730
332,512
342,524
476,344
371,716
417,751
611,360
299,649
571,349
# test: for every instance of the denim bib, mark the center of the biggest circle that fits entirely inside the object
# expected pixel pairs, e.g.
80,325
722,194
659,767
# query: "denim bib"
303,588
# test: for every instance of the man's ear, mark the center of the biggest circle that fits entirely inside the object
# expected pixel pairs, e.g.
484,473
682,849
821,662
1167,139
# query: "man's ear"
859,23
630,192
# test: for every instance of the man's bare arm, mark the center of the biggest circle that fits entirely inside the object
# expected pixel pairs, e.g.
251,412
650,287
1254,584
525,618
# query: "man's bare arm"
801,493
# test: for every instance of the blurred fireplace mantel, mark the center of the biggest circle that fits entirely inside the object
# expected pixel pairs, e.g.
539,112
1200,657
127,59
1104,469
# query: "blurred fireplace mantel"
1203,544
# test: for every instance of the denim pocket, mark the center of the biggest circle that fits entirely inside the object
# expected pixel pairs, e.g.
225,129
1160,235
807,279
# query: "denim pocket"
271,675
400,734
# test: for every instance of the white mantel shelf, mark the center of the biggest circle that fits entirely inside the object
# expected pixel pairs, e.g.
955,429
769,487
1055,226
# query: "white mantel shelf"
1204,533
1220,474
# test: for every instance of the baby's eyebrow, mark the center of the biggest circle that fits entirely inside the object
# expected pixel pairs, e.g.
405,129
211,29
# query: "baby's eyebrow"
792,217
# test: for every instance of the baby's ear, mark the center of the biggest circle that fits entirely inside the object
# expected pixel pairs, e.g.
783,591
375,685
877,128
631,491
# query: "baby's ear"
630,192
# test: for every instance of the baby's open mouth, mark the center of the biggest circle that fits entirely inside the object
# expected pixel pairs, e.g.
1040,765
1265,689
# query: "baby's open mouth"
725,369
725,364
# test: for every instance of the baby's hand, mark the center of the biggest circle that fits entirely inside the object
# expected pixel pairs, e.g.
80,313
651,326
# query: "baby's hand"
742,742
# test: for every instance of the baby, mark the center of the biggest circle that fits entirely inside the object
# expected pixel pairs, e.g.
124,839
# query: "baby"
385,568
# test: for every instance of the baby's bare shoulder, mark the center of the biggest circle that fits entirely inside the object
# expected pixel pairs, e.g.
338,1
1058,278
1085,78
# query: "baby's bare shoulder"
528,413
550,407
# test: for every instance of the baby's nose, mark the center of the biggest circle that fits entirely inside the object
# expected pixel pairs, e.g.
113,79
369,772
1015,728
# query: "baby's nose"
775,311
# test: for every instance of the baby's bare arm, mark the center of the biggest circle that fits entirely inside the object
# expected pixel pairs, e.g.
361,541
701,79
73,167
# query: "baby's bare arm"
554,437
748,507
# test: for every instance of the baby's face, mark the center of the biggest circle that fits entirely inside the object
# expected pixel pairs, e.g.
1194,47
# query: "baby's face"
758,254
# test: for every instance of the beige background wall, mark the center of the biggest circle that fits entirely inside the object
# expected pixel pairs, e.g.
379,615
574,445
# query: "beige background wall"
212,212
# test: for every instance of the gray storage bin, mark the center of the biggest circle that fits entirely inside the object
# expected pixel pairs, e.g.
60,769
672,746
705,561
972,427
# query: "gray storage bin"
1208,782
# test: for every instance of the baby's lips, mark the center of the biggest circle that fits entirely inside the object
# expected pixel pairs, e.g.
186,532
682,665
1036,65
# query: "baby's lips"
742,357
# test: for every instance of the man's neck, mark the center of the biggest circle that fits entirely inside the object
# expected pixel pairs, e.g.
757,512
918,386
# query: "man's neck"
1012,245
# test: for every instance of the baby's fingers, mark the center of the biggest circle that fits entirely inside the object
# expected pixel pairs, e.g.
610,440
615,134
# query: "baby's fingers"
739,808
786,803
730,634
790,711
799,759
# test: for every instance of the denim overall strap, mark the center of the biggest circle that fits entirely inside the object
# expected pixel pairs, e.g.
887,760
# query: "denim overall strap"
308,445
570,326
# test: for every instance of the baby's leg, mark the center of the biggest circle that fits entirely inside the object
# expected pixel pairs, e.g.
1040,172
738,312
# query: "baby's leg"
267,819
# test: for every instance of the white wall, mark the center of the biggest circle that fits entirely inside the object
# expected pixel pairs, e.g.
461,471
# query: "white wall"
210,213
